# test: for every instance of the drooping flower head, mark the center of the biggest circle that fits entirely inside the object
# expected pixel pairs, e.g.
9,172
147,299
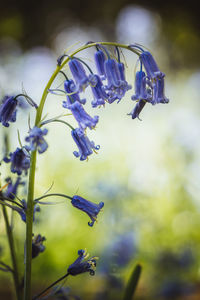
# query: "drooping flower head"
90,208
19,161
151,66
12,188
8,110
100,58
84,120
99,93
137,109
141,91
73,96
37,245
79,74
36,140
85,146
81,265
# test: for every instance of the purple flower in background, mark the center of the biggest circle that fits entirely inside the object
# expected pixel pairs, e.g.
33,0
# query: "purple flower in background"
19,161
80,76
85,146
12,188
159,93
81,265
37,245
70,88
137,109
100,58
99,93
151,66
140,88
119,252
90,208
82,117
36,140
8,110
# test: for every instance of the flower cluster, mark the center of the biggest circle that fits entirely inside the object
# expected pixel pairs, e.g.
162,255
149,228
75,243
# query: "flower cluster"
149,86
109,85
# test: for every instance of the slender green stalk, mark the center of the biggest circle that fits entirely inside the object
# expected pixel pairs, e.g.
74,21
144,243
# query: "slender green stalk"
54,194
30,199
15,272
29,229
50,286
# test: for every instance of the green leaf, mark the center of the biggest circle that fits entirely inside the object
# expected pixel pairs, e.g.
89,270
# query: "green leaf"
132,283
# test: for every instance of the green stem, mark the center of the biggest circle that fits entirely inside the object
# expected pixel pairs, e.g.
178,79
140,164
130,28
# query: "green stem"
30,199
29,229
50,286
59,121
15,272
54,194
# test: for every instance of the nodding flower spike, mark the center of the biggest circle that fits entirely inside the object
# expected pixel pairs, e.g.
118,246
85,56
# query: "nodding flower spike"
90,208
36,140
159,93
100,58
81,265
151,66
37,245
141,91
137,109
99,93
19,161
70,88
8,110
85,146
12,188
82,117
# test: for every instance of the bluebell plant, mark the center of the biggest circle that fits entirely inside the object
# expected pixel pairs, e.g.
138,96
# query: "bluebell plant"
107,84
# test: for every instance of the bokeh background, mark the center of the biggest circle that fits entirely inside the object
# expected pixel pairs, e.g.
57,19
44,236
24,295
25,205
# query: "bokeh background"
146,172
